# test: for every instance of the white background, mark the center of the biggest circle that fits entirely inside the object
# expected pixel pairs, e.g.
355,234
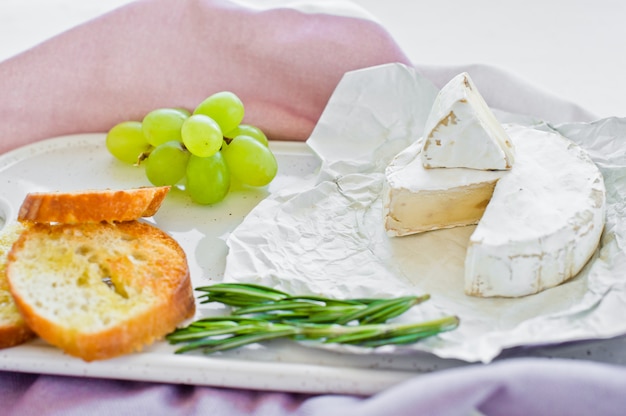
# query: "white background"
573,48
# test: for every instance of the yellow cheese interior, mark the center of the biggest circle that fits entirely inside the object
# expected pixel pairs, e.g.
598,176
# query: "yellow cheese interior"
414,212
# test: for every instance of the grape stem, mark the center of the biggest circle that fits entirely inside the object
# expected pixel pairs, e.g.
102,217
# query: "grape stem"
142,156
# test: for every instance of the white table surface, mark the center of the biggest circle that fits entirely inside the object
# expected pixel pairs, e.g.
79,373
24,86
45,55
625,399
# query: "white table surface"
572,48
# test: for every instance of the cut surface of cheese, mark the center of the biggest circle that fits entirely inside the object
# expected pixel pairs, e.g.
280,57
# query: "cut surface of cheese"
540,226
462,131
419,199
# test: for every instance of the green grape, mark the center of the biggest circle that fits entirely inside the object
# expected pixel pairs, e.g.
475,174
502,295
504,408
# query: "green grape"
163,125
249,161
126,141
223,107
201,135
167,163
208,179
248,130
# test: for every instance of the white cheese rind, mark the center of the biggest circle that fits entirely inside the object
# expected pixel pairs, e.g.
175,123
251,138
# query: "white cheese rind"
543,223
462,131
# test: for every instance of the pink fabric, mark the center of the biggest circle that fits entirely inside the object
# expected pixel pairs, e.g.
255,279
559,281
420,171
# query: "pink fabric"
284,64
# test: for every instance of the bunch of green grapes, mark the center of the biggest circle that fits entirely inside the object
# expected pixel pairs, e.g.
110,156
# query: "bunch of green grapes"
200,151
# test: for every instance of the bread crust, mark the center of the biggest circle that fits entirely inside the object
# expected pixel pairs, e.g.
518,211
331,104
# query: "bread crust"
16,334
92,206
142,260
13,328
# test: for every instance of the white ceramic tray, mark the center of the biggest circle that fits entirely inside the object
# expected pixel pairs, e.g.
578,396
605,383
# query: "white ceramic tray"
81,162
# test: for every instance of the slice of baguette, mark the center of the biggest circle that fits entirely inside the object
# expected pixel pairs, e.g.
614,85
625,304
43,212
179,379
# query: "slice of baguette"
92,205
100,290
13,328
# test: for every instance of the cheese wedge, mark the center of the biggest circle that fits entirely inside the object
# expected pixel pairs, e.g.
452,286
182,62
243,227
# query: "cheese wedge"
462,131
538,223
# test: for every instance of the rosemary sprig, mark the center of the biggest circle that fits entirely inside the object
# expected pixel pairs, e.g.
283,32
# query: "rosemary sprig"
261,313
274,305
239,294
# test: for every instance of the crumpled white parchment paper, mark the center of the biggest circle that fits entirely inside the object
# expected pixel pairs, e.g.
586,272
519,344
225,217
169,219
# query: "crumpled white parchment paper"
326,236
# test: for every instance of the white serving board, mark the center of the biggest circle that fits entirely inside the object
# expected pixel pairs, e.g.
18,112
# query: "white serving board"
82,162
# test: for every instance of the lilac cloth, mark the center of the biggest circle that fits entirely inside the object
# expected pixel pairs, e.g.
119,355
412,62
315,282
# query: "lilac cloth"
523,386
284,64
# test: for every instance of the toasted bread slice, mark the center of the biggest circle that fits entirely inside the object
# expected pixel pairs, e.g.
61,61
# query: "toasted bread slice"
100,290
13,328
91,206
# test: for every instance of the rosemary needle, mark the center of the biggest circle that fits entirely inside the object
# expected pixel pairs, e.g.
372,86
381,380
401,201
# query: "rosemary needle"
261,313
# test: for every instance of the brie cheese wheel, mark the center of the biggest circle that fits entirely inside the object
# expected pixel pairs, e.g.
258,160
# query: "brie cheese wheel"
538,226
543,223
462,131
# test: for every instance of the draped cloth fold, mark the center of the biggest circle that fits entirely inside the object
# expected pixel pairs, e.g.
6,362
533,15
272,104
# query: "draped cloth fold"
283,63
523,386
